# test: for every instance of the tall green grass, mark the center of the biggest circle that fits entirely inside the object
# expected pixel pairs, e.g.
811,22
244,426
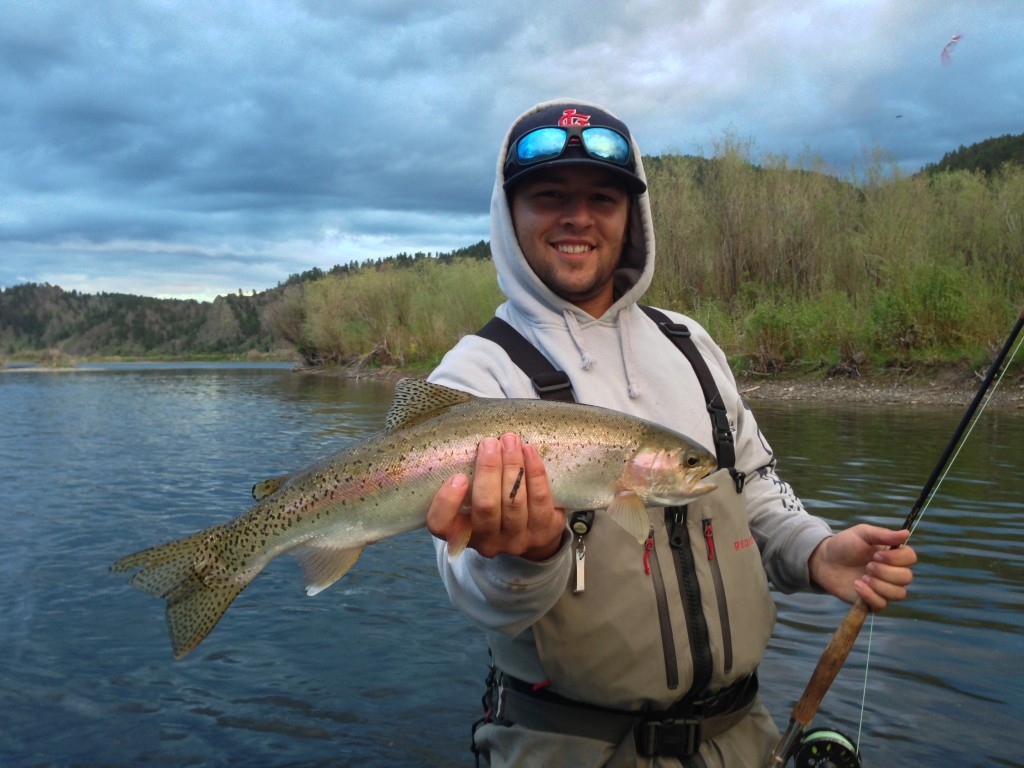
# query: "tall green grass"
789,266
405,316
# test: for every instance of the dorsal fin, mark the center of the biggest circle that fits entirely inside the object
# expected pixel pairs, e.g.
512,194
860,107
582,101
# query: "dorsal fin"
418,399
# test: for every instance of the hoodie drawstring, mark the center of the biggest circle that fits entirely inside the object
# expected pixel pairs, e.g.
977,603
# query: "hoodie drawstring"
577,336
625,342
629,362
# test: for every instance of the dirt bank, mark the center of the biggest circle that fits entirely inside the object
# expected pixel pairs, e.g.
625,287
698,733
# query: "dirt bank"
945,387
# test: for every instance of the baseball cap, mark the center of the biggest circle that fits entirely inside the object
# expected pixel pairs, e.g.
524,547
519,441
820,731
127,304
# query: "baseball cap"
569,133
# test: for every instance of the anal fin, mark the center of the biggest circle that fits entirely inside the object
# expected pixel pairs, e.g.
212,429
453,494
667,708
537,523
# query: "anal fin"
322,564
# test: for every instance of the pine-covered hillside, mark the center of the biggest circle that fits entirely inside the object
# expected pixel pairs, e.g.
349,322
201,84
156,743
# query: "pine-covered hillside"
986,156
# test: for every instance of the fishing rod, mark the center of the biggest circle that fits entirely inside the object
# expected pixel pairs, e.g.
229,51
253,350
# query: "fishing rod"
826,747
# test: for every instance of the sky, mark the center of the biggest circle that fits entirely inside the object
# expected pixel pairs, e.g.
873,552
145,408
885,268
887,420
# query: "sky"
192,149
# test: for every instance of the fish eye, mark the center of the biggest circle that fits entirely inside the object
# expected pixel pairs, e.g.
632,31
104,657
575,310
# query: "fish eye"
691,460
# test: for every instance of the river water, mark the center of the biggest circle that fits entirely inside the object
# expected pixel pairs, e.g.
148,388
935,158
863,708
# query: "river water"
379,670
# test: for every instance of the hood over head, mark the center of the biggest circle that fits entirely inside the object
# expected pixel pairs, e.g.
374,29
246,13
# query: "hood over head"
613,150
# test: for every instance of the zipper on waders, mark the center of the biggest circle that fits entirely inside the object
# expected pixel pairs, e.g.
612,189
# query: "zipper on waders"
686,571
723,606
668,642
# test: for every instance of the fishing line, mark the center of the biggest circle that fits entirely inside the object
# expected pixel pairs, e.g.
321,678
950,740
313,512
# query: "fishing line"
974,423
921,511
864,691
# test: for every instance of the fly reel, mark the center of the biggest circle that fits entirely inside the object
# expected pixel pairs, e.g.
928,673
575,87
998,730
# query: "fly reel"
826,748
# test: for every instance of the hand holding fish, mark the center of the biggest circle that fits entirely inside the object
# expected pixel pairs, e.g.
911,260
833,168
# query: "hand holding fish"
859,562
510,507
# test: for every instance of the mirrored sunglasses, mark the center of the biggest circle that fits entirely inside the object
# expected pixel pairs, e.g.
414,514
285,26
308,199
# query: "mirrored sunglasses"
544,144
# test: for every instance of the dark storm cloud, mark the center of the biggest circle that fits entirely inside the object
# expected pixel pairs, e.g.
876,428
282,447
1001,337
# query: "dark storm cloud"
195,148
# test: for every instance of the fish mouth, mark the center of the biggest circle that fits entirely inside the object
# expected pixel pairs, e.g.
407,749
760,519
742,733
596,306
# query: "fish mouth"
700,483
702,486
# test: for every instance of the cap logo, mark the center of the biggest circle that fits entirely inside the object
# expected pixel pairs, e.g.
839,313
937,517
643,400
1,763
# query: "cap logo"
572,117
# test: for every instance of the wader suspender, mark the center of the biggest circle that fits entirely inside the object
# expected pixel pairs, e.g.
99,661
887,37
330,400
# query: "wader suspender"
549,382
725,447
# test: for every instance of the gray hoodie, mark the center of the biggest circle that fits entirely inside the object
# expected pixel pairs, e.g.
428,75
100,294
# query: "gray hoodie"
621,361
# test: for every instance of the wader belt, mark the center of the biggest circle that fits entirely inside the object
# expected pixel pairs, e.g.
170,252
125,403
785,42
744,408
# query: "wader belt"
675,732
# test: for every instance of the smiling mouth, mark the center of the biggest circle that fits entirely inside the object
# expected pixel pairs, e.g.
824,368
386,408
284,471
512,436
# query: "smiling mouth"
573,249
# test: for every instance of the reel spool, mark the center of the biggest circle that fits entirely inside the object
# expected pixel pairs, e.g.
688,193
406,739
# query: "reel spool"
826,748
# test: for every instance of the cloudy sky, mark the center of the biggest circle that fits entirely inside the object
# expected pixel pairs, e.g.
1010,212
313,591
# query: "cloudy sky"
190,149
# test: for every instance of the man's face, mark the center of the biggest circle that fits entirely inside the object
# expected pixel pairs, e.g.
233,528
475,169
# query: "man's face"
571,225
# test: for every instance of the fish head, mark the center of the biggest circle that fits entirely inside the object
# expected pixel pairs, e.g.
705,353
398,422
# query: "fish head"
670,472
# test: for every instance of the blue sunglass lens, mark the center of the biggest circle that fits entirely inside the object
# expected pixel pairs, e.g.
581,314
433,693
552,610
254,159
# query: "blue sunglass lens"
542,144
606,144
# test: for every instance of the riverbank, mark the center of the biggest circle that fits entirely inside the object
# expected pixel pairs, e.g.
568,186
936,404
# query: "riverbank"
947,386
943,388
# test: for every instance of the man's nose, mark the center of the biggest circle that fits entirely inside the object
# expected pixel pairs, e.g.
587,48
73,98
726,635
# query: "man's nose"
577,211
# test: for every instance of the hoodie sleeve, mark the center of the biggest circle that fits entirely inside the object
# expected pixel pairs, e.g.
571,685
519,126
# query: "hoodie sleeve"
504,593
785,532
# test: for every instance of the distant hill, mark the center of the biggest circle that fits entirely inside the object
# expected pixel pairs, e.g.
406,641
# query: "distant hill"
986,156
38,318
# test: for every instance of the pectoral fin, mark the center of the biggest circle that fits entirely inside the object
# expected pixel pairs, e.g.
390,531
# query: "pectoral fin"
323,565
629,511
458,536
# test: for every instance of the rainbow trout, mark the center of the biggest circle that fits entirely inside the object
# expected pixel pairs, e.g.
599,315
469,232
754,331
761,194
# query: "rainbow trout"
382,485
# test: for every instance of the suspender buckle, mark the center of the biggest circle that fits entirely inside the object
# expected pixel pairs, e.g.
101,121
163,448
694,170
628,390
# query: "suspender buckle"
675,329
739,478
553,385
720,424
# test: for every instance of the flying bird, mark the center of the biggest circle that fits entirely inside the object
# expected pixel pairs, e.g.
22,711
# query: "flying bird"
947,51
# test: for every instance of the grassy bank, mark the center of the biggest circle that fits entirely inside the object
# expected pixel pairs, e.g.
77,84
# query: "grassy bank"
791,268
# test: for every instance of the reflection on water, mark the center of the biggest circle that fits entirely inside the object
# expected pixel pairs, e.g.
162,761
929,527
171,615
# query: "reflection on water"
953,648
379,670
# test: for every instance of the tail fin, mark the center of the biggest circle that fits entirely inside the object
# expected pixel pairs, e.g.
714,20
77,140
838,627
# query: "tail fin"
197,592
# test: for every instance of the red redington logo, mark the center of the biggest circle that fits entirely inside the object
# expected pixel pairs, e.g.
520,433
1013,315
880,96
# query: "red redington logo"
572,117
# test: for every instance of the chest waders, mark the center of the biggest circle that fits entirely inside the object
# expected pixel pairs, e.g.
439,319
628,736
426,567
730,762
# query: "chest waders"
708,680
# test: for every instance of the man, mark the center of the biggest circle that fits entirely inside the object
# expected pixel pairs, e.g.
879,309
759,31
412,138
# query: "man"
654,661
